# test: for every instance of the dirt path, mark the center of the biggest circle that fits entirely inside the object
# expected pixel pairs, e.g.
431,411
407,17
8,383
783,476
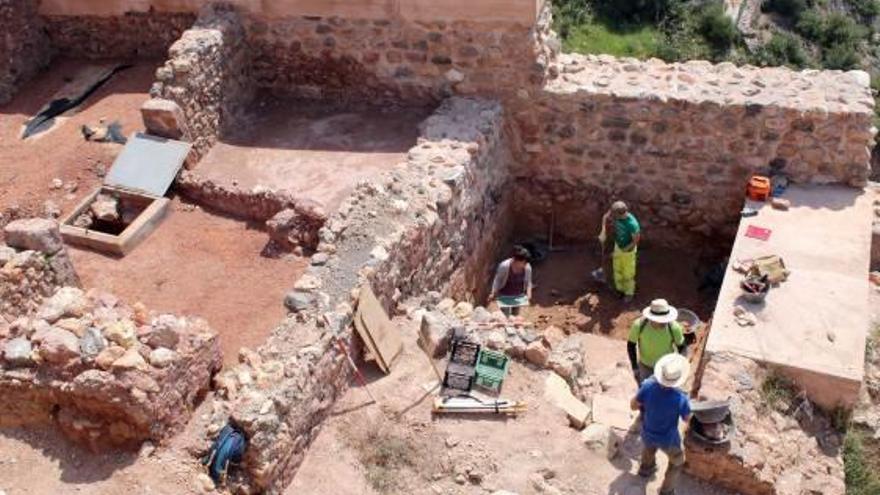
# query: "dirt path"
401,448
201,264
27,167
565,292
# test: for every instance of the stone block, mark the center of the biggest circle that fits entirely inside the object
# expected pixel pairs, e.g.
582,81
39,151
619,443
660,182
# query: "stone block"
163,118
537,353
601,439
36,234
613,412
558,393
59,346
66,302
435,334
18,352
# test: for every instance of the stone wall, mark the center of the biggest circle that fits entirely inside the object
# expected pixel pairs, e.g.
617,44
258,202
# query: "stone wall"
24,47
787,449
522,11
207,76
406,234
104,372
33,265
144,35
395,59
679,141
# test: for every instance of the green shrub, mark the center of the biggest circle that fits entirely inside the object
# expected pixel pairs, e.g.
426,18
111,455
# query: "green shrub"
841,30
787,8
811,25
861,476
569,14
718,29
841,57
630,11
865,8
782,49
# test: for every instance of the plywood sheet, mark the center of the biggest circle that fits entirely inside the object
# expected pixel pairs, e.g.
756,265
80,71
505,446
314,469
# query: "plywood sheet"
376,330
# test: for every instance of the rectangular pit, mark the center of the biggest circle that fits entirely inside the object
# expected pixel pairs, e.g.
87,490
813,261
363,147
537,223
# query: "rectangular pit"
119,237
312,150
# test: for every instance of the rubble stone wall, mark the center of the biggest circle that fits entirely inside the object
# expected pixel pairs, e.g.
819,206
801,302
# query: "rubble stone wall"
397,59
679,141
105,373
140,35
772,451
24,47
408,233
33,265
207,75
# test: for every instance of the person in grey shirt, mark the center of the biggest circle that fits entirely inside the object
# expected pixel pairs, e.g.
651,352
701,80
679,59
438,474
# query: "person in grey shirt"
512,286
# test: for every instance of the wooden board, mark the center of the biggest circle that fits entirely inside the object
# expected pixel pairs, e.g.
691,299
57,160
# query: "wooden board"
380,337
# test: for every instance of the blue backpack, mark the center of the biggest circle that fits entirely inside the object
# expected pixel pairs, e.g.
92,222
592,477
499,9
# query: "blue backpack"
227,449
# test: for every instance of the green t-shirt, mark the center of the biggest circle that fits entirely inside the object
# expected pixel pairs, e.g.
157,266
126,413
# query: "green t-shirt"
653,342
624,230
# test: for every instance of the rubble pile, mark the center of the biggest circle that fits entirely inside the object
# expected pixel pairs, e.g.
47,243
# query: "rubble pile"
550,348
106,373
33,264
771,451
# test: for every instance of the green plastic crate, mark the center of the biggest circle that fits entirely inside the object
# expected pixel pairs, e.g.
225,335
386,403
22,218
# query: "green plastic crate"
491,370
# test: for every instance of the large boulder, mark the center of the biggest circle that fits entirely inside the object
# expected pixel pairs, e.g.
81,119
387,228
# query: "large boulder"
67,302
165,332
601,439
59,346
18,352
435,333
35,234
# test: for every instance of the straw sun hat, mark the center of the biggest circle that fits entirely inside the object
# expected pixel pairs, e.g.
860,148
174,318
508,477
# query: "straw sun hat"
672,370
660,311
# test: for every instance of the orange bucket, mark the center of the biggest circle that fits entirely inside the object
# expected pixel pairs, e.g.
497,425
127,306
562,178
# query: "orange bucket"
758,188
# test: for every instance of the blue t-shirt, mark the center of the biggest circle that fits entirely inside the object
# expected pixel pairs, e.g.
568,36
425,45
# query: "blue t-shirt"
661,409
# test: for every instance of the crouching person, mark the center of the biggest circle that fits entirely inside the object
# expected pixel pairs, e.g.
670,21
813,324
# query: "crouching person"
512,286
663,405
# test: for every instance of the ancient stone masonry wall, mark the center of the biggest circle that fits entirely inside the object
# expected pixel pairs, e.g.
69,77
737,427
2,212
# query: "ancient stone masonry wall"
680,140
24,47
143,35
33,264
395,59
772,452
207,76
406,234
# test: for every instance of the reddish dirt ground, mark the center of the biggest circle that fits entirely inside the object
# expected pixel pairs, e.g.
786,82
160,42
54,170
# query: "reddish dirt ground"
27,167
201,264
399,447
312,150
564,289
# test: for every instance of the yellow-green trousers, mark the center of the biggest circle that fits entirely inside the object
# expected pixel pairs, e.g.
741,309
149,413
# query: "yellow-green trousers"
624,265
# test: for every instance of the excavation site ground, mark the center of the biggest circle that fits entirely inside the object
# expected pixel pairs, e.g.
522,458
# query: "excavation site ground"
284,219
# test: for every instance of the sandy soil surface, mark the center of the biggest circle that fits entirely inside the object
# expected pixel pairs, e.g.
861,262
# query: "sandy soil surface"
312,150
27,167
399,447
564,289
201,264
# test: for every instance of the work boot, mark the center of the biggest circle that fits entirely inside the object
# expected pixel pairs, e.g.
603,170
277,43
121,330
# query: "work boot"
648,471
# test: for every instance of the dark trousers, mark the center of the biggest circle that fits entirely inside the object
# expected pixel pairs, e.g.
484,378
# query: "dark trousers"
673,471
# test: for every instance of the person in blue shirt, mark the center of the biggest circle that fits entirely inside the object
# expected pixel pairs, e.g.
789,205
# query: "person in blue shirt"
663,405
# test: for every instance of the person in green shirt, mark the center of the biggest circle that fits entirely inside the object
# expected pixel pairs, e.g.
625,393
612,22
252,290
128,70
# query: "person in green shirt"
654,335
627,234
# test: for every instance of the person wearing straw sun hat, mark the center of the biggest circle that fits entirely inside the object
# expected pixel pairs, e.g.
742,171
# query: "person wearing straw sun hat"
654,335
663,404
